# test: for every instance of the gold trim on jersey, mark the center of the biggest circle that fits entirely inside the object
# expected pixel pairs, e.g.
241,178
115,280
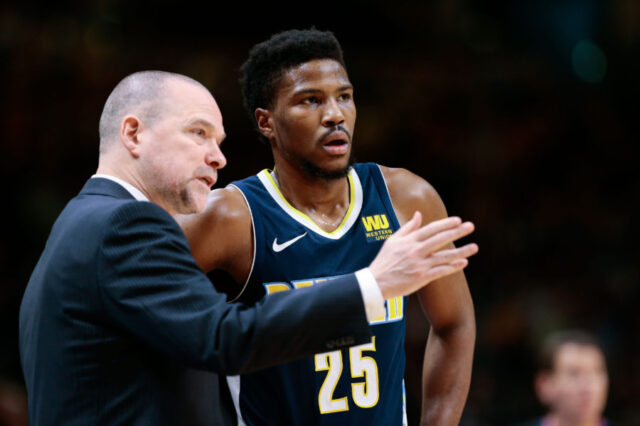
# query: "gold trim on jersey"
355,204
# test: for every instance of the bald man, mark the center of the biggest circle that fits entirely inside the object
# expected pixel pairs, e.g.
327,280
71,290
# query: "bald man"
116,309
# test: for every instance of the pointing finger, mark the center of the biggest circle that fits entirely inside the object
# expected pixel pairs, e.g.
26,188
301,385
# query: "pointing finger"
444,237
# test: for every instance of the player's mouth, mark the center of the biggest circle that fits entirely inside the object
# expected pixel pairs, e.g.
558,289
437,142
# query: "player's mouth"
336,143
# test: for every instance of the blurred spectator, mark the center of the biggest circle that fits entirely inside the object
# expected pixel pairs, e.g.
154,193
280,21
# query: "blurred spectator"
572,380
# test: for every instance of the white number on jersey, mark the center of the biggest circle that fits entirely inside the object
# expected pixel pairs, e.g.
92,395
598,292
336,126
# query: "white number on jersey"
365,394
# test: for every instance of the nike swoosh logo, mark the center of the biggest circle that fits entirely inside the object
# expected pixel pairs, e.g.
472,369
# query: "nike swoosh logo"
279,247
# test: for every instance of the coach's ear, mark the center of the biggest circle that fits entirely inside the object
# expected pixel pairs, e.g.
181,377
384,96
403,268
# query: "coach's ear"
130,131
265,123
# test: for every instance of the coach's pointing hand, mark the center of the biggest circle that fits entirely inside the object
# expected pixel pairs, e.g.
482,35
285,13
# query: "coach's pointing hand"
414,256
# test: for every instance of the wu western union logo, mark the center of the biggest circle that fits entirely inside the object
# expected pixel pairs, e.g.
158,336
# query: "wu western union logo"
376,227
376,222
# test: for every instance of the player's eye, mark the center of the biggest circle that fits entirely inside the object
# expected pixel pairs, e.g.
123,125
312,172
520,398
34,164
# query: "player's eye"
310,100
345,97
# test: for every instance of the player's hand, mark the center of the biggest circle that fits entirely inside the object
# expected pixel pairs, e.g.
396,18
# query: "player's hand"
414,256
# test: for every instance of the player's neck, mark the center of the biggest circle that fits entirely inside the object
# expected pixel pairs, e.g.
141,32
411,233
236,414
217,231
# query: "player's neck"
325,201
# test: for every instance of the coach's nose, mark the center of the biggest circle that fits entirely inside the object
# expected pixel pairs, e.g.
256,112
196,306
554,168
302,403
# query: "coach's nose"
214,157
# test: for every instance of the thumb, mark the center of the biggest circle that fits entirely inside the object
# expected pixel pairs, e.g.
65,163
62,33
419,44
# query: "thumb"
411,225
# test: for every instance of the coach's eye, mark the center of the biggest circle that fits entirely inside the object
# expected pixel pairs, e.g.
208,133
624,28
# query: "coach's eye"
200,132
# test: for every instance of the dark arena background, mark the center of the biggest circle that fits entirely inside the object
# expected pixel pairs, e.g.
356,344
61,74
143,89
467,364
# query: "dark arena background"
521,114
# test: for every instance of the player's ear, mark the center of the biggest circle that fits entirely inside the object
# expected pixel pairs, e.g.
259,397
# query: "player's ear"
130,130
265,122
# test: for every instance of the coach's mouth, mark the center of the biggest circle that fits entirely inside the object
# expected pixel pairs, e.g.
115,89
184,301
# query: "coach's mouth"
207,180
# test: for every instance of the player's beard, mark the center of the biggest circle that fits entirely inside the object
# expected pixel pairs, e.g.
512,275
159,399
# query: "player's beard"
314,171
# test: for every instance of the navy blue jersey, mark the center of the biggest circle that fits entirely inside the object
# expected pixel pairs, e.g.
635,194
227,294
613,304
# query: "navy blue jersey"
361,385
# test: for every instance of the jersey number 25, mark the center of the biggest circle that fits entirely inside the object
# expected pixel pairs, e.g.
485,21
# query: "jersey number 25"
365,394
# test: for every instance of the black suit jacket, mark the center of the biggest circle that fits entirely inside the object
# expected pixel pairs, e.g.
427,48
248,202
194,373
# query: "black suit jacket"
116,310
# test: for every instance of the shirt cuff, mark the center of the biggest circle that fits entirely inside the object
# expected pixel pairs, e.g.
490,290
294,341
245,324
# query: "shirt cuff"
371,295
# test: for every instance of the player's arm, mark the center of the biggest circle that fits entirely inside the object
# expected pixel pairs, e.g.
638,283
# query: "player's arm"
221,237
448,306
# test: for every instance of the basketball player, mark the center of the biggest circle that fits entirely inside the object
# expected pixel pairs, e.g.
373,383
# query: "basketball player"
315,216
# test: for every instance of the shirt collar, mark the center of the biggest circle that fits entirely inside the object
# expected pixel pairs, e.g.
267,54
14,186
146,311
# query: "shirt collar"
135,192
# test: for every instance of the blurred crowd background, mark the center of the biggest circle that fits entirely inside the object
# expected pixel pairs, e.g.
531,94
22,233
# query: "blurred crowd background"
520,113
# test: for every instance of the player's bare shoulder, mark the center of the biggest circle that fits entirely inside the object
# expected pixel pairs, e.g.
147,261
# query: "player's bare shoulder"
221,236
410,192
227,205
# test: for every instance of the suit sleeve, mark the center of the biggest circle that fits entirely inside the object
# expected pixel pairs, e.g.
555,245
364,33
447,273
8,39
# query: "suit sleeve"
151,286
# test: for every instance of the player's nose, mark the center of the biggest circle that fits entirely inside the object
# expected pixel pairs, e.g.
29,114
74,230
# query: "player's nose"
333,114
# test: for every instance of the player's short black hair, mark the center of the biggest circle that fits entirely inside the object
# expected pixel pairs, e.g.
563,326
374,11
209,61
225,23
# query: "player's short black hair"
261,72
554,341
